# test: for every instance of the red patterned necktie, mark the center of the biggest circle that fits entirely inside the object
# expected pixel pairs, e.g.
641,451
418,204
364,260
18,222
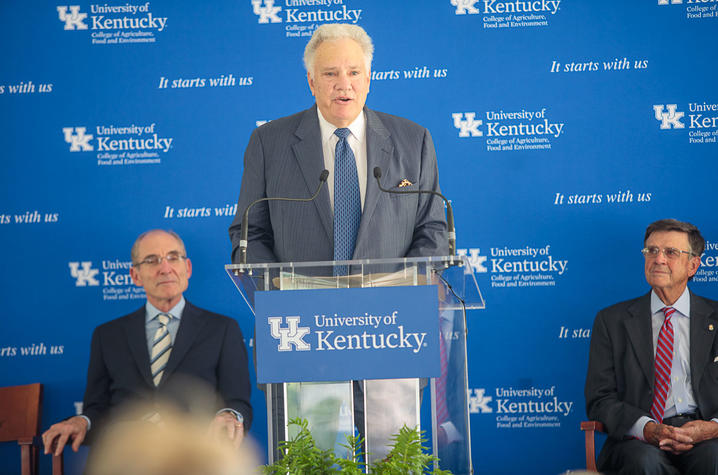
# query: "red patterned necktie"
664,361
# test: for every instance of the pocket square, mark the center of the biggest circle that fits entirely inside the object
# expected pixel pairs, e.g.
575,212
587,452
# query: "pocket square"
715,360
404,183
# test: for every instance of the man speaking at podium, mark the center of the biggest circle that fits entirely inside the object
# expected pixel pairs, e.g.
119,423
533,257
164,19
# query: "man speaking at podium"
350,218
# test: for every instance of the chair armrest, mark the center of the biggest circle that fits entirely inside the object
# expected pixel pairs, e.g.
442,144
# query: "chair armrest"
58,465
58,461
592,426
589,428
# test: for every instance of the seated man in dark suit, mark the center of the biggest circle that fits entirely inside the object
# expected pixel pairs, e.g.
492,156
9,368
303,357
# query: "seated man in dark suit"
161,352
653,366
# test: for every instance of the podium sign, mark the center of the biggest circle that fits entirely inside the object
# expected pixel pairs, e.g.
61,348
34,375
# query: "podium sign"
346,351
346,334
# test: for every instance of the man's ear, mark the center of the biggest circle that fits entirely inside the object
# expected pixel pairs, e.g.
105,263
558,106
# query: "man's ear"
695,263
135,276
311,82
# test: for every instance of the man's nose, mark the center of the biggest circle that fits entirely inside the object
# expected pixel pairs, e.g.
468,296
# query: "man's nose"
344,81
661,257
165,266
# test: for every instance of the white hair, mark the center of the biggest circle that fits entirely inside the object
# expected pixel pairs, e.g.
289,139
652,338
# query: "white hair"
336,31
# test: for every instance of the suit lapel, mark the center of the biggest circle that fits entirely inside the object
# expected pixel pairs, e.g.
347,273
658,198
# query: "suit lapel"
640,333
310,157
189,328
137,341
378,151
702,336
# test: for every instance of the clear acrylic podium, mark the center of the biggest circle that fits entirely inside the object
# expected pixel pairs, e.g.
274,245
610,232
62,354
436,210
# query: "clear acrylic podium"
377,409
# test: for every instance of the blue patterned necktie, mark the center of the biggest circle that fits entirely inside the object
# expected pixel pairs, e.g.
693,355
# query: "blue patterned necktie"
347,201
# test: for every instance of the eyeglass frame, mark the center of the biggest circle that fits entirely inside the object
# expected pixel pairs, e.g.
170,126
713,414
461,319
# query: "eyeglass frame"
646,251
171,257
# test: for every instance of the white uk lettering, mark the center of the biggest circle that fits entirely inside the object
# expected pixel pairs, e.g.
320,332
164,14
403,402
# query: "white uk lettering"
99,22
152,143
293,15
700,122
545,128
547,265
496,6
113,278
350,321
534,407
328,341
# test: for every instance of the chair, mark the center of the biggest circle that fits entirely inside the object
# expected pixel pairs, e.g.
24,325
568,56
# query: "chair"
20,421
58,465
590,428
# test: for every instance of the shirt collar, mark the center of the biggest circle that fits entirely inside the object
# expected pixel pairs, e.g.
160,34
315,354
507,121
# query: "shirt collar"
175,312
357,127
682,305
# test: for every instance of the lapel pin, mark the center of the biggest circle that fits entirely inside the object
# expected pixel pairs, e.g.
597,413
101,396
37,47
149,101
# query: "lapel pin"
404,183
710,327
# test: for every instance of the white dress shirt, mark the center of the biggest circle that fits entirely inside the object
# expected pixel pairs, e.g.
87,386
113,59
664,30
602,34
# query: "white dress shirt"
357,142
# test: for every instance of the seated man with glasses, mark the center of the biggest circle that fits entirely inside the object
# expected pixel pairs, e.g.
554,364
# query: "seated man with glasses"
166,352
653,366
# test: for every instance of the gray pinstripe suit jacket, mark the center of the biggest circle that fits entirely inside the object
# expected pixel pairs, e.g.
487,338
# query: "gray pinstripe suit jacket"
284,158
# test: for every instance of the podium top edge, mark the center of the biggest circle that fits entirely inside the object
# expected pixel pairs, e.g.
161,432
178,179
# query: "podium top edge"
439,261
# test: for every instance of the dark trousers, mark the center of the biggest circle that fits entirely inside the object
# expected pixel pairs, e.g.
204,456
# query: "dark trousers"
635,457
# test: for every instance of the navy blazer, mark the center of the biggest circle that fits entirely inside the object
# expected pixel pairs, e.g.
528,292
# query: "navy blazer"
619,384
208,348
284,158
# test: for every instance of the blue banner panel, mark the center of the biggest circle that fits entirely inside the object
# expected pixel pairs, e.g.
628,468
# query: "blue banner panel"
562,129
345,334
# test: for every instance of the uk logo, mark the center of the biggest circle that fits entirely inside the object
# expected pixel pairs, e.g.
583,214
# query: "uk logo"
467,124
668,116
266,13
290,335
478,402
465,6
477,261
666,2
77,139
84,276
74,19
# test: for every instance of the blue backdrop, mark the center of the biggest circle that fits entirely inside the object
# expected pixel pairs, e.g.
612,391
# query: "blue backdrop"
562,127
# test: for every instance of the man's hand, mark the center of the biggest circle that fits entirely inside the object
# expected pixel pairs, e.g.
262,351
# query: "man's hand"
668,438
74,429
225,424
698,431
679,439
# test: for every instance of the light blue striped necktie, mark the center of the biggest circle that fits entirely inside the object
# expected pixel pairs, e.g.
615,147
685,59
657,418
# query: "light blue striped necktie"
347,201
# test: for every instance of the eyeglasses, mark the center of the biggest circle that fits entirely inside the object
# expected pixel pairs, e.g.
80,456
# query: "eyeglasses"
671,253
154,260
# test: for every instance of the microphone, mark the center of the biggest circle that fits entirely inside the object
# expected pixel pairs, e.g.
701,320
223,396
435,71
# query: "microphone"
245,218
449,210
